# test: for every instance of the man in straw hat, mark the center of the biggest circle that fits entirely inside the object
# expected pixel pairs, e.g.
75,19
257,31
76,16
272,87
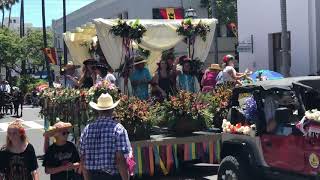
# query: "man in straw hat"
105,143
140,79
70,75
209,81
61,159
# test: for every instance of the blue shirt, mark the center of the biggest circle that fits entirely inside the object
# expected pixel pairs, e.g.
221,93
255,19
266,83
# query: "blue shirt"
141,90
99,143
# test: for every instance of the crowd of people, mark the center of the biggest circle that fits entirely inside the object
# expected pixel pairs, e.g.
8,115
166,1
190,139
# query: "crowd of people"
10,99
171,76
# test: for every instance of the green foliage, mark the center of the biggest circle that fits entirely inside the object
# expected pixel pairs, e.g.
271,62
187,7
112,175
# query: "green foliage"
11,49
226,10
27,83
132,31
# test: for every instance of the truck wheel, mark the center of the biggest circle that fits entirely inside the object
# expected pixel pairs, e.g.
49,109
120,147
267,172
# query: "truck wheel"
232,168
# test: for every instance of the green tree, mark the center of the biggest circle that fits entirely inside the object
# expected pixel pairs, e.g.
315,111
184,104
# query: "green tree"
2,7
32,45
226,10
9,5
11,50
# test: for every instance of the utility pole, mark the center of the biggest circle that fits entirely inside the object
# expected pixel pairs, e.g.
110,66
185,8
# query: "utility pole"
215,15
23,63
44,30
65,50
286,62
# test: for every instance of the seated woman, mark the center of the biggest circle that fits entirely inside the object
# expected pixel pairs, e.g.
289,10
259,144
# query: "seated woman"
209,81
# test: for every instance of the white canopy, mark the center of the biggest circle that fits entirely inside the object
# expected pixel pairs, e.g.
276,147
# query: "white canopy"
160,35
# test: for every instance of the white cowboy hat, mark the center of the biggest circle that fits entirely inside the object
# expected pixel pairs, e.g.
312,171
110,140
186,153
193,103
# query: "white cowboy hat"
105,102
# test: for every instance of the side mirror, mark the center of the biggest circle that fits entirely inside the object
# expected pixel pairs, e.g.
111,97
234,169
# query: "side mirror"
283,115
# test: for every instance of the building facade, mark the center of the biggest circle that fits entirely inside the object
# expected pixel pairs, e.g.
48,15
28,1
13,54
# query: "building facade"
260,35
15,23
138,9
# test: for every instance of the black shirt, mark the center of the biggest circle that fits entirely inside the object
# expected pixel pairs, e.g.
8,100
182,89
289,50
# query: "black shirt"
60,155
18,166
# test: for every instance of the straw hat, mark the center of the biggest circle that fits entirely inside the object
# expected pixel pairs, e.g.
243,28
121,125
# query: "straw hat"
215,67
70,65
58,127
139,60
105,102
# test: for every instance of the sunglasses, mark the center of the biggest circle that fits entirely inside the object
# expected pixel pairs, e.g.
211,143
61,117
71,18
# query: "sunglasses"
65,133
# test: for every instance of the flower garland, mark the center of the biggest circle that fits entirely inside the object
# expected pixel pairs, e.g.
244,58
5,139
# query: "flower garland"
227,127
190,31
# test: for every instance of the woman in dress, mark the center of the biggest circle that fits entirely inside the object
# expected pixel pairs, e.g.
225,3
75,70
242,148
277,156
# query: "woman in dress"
209,81
229,74
162,83
18,158
186,80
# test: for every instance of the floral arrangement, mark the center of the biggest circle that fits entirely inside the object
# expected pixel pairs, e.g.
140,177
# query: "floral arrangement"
190,30
250,111
186,113
227,127
102,87
132,31
134,114
313,115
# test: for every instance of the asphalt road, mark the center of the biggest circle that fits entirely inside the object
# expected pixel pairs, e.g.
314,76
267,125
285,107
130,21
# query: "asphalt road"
34,129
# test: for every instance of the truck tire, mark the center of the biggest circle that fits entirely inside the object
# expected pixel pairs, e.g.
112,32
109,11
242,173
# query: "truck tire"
233,168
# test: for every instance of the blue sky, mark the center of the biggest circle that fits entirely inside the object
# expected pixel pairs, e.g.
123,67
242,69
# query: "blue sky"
54,10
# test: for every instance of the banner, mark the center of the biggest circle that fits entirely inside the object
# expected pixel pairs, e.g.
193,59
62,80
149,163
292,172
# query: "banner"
168,13
51,53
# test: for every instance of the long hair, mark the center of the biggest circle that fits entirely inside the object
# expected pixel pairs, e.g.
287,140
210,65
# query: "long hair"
159,66
17,125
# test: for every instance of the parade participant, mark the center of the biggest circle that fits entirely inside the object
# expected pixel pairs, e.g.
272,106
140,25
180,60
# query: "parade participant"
187,81
103,73
7,87
229,74
69,75
62,158
124,82
18,159
140,79
161,81
88,76
208,81
104,143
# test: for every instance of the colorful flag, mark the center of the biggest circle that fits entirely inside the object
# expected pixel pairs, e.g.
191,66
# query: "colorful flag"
51,53
168,13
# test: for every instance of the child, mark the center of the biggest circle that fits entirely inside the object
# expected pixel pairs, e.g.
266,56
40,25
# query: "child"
18,158
62,158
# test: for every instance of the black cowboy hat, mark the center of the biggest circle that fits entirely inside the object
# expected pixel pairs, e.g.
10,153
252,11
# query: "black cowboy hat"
139,60
90,62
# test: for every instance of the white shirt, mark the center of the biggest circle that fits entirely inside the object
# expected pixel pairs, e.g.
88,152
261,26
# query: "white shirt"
111,78
226,73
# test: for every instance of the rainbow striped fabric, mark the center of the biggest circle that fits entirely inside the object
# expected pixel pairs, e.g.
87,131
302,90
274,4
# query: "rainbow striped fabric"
153,159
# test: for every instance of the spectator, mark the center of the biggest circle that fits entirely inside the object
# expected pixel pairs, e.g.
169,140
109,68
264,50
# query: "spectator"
62,158
18,159
186,80
208,81
140,79
104,144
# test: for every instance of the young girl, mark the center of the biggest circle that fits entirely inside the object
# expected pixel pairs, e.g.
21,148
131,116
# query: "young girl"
18,158
62,158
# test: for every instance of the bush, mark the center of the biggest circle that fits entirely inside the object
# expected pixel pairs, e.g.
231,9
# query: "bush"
27,83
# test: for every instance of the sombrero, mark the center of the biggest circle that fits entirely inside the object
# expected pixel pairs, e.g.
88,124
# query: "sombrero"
215,67
59,126
139,60
70,65
90,62
105,102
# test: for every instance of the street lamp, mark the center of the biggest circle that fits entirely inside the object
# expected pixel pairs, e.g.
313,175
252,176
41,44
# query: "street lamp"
190,13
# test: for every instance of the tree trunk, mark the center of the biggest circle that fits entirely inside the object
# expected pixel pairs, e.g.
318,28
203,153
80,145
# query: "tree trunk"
215,15
2,23
9,21
45,41
286,62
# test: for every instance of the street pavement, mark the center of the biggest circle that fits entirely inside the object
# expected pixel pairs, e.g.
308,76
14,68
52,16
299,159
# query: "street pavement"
34,129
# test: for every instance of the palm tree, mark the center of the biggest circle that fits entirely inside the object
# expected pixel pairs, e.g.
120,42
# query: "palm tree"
9,5
2,7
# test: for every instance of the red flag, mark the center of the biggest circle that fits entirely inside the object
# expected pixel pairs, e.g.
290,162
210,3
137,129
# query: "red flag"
51,54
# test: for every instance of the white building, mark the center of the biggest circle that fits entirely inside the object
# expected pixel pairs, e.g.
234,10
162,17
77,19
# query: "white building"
15,23
260,21
129,9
